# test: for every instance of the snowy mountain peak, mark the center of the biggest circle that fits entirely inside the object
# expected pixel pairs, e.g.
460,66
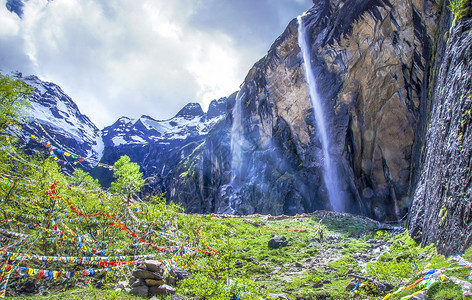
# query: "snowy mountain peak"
191,110
54,112
217,108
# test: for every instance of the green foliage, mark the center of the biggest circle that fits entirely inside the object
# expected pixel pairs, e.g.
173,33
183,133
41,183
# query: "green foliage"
81,294
204,287
13,93
129,180
461,9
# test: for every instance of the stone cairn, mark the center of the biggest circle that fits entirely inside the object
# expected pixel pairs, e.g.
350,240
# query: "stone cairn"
149,279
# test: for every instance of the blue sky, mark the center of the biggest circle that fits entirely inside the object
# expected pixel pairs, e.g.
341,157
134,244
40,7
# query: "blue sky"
123,57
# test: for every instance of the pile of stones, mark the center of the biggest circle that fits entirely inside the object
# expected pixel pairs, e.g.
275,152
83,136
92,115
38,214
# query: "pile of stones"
150,279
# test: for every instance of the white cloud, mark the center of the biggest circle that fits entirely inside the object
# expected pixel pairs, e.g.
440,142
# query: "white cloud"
117,57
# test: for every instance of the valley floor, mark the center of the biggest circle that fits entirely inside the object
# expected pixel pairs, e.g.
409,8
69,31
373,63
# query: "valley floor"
325,255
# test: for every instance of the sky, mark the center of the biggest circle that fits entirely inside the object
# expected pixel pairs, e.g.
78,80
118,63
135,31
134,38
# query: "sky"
141,57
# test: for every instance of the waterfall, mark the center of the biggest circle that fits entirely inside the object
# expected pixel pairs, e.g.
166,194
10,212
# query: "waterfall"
237,140
237,143
330,174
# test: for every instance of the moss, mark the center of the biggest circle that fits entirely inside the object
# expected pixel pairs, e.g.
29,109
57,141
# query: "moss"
462,9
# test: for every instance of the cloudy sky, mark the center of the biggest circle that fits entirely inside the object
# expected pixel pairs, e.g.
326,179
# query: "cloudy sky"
135,57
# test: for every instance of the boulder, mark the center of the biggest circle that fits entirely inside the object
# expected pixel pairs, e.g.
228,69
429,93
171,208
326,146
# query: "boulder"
278,242
141,291
162,290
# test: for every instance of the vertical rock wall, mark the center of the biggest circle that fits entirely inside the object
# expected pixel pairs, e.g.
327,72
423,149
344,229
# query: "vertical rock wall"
442,207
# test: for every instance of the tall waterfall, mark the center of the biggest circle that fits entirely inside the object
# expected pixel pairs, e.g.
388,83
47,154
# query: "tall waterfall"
237,140
330,173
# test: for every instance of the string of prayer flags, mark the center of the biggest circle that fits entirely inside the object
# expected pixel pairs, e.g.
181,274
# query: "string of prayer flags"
59,149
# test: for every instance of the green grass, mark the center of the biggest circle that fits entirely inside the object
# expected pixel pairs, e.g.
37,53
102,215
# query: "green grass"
246,267
82,294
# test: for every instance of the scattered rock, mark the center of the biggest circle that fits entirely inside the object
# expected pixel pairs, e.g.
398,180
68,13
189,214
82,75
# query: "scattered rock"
313,245
177,274
351,285
279,296
238,264
278,242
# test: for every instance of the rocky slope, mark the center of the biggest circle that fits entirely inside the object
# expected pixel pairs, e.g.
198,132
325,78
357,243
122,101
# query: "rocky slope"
56,119
442,208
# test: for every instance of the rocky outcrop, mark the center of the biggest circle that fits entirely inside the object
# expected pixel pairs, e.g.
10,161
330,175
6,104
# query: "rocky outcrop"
372,60
442,210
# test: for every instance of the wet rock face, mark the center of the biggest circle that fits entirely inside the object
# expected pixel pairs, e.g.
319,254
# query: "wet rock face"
442,210
380,52
371,60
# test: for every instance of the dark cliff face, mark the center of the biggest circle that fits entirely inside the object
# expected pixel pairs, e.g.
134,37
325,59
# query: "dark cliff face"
371,61
442,207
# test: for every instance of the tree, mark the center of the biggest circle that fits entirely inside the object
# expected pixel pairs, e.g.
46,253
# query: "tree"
129,180
13,94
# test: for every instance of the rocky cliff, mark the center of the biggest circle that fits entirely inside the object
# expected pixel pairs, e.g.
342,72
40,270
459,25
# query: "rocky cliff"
371,62
442,210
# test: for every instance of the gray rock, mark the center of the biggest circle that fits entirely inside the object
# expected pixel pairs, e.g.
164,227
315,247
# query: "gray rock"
137,282
141,291
177,274
155,266
144,274
279,296
278,242
162,290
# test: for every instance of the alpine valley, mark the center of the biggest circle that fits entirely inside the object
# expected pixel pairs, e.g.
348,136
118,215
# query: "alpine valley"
384,124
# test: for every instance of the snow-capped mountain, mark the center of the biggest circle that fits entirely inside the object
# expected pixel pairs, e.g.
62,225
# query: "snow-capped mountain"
190,122
55,118
159,145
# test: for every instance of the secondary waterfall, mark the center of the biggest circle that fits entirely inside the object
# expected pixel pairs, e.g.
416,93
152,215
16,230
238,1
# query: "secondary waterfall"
237,140
237,144
330,174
